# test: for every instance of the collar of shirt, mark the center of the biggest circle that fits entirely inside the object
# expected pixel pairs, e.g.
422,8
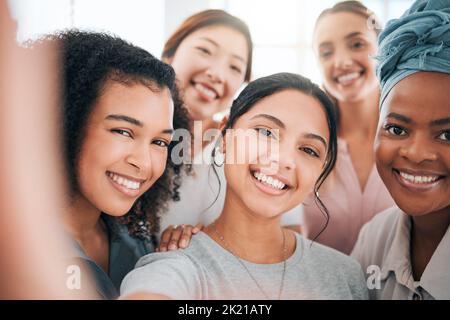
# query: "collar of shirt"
435,278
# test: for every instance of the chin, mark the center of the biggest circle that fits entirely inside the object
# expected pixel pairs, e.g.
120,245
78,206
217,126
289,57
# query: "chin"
412,208
265,210
117,211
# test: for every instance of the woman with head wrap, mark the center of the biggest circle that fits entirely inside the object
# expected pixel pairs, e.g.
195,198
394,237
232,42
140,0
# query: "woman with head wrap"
406,250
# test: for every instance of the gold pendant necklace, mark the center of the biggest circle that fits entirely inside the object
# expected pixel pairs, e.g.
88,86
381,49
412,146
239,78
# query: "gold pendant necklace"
227,246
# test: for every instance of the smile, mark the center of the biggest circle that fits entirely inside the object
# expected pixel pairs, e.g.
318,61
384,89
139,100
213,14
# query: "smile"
269,184
418,182
348,78
269,181
206,92
129,187
419,179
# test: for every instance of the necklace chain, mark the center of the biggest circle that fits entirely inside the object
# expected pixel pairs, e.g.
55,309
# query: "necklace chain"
227,246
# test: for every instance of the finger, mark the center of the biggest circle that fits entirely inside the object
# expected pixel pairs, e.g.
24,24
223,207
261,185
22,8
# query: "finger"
165,237
197,228
175,237
186,236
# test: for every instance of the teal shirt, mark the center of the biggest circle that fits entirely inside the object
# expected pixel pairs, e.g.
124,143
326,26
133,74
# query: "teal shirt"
124,252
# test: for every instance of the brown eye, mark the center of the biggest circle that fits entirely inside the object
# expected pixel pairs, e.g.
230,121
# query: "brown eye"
122,132
445,136
161,143
204,50
264,132
395,130
357,45
310,152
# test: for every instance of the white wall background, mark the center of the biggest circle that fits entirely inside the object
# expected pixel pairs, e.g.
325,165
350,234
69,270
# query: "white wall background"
281,29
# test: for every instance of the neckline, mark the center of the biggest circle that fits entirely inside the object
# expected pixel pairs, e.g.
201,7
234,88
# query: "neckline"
343,150
292,260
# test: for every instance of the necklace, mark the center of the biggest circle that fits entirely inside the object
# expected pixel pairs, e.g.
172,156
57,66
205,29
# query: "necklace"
227,246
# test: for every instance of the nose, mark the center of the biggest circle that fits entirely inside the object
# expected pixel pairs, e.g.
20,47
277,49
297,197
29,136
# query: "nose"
342,60
216,71
140,159
282,155
418,150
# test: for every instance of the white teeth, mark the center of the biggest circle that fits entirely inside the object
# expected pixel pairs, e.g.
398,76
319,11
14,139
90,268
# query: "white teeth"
130,184
348,77
206,91
418,179
270,181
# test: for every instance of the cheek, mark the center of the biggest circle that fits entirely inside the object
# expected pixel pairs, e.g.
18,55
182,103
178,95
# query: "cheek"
384,153
233,84
308,175
364,59
159,160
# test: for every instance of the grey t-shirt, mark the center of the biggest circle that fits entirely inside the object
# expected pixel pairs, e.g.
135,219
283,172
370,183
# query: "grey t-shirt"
205,270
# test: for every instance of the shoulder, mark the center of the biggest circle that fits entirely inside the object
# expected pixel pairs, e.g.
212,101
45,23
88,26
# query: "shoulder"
324,257
179,274
193,257
327,266
380,229
376,236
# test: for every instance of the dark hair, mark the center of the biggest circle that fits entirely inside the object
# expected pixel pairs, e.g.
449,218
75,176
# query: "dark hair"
267,86
357,8
89,60
204,19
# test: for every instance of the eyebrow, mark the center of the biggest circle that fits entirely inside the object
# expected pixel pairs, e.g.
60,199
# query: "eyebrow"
399,117
353,34
350,35
217,45
316,137
273,119
279,123
121,117
434,123
440,122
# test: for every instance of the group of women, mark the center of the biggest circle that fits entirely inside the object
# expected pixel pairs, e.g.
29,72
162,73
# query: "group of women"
122,107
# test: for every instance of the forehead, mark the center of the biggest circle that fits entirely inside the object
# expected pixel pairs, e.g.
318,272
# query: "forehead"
229,39
297,110
135,100
335,26
422,96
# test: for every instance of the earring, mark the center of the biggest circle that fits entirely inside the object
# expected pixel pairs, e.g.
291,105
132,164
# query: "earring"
218,157
317,194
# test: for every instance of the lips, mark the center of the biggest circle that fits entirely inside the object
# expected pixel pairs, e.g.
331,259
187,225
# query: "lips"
270,184
348,78
129,186
205,91
418,181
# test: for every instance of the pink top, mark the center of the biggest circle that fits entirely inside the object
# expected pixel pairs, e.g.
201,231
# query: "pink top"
349,207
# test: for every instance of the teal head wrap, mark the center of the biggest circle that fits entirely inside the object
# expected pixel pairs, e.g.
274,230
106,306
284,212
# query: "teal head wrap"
418,41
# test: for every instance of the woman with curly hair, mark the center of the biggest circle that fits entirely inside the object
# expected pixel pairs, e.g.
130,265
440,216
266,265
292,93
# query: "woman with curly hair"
121,107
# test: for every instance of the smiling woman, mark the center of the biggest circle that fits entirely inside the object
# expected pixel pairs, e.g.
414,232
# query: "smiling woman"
246,253
344,45
120,107
410,243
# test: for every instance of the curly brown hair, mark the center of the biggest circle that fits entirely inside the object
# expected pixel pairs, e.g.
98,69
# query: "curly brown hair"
89,60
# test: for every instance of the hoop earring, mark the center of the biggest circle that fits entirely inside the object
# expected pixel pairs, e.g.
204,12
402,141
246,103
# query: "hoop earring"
218,157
